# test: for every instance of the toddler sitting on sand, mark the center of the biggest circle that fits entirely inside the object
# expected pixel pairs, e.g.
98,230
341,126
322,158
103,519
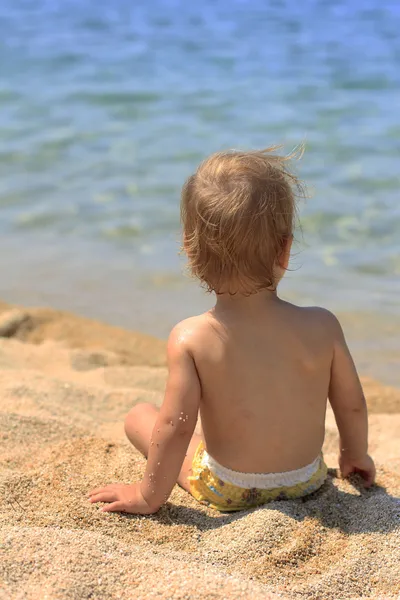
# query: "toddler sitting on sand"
258,369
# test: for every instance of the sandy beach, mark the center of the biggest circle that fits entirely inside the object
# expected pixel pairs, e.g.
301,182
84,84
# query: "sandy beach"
66,384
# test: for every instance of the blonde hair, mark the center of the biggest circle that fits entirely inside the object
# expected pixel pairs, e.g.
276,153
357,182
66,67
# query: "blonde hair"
238,212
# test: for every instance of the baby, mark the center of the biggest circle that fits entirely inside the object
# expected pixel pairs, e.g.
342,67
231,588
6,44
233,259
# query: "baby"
258,369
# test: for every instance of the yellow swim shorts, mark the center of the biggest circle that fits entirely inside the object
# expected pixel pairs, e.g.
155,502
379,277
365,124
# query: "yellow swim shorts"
226,490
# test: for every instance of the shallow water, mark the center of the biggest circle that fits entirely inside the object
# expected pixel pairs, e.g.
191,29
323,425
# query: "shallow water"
105,108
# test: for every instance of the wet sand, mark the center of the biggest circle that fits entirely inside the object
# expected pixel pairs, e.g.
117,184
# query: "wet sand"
65,385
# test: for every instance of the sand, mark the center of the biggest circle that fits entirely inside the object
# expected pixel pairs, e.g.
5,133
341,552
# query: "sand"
65,385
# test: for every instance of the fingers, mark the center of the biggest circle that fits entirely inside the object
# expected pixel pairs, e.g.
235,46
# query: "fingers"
105,496
368,473
98,491
369,477
104,488
114,507
346,471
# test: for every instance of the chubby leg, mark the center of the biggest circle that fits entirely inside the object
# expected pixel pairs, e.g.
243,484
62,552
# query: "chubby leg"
139,425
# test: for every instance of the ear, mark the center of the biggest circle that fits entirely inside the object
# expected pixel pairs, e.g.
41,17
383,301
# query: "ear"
285,255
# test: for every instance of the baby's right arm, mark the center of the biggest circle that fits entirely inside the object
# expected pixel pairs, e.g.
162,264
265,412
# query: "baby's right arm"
348,403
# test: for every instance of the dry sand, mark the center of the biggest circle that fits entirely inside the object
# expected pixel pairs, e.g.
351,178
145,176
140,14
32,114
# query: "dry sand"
65,385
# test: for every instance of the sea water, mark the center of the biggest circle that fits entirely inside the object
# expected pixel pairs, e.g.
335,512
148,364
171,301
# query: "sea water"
106,107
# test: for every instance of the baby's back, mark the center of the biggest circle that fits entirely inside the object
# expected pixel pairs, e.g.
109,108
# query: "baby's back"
264,380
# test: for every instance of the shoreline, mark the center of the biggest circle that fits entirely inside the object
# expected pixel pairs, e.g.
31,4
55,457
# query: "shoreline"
36,325
66,383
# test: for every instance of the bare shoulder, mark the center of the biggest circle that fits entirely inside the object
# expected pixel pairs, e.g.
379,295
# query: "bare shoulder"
321,315
187,333
320,319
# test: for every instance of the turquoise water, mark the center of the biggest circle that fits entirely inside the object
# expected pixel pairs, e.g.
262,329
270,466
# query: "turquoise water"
105,109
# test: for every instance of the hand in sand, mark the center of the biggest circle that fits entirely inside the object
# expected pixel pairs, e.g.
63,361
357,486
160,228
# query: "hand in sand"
121,498
363,466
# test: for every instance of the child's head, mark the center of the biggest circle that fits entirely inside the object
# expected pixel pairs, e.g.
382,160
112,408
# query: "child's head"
238,213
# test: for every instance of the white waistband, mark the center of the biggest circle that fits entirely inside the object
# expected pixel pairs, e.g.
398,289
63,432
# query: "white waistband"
264,481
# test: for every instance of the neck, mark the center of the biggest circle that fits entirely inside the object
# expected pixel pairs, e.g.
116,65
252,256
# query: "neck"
243,304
